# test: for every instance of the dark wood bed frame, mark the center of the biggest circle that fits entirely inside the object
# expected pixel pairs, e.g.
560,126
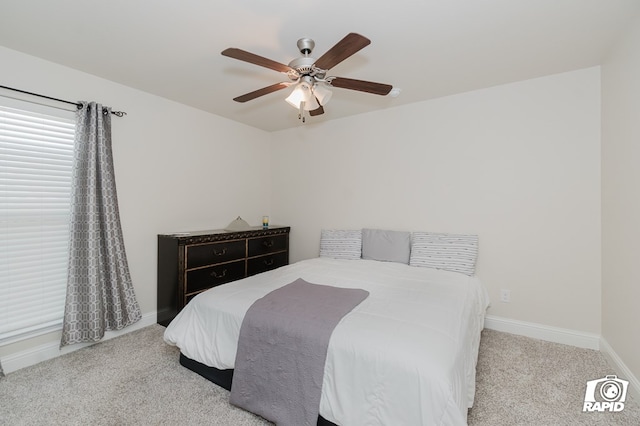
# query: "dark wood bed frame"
224,378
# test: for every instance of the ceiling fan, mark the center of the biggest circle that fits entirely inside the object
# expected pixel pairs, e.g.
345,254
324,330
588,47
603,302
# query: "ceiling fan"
309,75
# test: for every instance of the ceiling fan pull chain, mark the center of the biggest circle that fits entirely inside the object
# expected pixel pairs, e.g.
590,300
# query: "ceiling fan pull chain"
301,112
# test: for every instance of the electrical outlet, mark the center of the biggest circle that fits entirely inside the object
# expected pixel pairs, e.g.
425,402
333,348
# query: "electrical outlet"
505,295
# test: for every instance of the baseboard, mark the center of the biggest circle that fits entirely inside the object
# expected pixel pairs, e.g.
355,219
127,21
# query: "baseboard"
51,350
543,332
620,368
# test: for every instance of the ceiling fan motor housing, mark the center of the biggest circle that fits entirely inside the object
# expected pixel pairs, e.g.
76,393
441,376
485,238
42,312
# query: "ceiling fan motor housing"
303,65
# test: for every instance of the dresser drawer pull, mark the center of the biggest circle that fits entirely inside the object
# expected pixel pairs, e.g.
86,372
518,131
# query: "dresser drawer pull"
268,243
219,253
268,262
214,274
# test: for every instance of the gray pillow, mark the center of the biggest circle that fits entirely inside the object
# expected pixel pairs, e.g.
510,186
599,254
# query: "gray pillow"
387,246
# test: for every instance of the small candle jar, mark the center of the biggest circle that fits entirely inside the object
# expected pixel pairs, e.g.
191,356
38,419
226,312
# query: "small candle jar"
265,222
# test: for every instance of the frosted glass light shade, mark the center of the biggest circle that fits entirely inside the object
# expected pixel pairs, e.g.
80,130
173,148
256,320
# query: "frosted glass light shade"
302,93
322,93
297,95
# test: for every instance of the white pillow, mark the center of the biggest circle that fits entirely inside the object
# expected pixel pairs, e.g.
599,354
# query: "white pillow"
450,252
341,244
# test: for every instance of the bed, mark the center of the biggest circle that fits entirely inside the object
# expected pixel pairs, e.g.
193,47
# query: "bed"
406,355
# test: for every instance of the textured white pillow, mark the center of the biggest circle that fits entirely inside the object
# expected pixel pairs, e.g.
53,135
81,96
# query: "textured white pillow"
451,252
341,244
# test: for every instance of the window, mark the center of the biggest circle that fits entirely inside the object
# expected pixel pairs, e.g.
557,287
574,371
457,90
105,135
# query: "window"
36,155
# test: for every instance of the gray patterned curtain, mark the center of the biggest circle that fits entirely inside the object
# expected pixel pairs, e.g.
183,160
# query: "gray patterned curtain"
1,372
100,294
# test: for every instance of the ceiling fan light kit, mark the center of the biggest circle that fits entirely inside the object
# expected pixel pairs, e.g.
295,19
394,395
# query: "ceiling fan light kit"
322,94
311,92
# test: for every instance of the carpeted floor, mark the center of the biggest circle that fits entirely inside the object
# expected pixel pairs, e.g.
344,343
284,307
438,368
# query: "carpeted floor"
136,380
523,381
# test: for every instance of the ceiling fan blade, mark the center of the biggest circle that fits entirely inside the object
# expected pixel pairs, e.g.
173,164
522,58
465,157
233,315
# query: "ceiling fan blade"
361,85
317,111
261,92
346,47
252,58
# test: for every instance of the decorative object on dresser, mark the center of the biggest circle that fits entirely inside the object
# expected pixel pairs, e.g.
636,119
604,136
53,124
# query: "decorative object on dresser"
190,263
238,224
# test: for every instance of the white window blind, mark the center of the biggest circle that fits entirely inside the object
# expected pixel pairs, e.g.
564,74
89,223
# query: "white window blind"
36,155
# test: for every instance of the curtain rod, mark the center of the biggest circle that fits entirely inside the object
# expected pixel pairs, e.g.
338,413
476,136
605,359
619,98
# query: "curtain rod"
116,113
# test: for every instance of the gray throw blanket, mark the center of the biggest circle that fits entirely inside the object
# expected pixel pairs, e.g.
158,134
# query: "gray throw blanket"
282,350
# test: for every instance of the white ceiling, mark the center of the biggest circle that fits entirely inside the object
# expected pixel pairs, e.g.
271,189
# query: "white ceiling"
427,48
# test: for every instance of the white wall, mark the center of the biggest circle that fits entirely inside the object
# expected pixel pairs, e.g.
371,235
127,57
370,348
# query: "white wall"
177,168
621,199
518,164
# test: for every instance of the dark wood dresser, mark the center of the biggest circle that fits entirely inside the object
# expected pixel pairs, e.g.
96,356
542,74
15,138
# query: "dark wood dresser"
190,263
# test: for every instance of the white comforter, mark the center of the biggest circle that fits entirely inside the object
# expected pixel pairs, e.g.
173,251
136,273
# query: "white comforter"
404,356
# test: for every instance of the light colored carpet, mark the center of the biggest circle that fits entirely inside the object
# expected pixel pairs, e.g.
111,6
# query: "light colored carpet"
523,381
136,379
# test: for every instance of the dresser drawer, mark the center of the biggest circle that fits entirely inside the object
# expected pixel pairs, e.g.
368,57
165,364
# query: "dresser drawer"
201,279
265,245
210,254
267,263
